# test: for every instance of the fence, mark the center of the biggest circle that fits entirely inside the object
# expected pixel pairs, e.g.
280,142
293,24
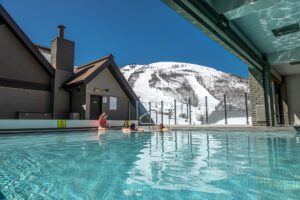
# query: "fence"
226,110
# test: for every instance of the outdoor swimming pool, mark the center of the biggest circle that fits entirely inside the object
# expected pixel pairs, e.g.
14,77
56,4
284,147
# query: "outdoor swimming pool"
173,165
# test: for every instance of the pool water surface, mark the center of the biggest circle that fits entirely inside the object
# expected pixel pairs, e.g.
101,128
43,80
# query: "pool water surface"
150,165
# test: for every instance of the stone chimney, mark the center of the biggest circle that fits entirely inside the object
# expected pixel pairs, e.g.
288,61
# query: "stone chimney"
62,52
61,31
62,58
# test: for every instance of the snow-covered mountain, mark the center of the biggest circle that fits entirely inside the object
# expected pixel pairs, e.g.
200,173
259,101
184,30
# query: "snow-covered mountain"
166,81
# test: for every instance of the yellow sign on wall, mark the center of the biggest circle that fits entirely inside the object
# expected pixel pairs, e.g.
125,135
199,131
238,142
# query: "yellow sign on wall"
61,124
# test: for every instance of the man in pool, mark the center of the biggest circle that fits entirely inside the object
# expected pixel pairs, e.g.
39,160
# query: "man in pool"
131,128
161,127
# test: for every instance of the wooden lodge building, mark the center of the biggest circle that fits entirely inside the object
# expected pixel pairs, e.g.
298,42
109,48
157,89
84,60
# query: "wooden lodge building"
41,83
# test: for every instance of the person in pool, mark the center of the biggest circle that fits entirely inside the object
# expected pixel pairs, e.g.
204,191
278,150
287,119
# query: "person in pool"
126,126
103,121
161,127
131,128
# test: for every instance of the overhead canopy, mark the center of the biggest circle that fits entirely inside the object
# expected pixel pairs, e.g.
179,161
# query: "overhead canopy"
257,31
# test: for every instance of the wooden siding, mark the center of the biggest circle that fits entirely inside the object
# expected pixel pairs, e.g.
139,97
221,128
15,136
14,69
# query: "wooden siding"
14,100
25,86
16,63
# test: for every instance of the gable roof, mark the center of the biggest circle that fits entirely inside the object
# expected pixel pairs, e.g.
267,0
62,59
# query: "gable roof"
12,25
86,73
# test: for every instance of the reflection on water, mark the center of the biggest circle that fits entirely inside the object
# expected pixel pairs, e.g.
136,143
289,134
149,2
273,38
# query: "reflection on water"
233,165
173,165
178,161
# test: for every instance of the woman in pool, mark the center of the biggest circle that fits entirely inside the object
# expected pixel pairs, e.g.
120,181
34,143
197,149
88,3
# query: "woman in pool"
126,126
103,121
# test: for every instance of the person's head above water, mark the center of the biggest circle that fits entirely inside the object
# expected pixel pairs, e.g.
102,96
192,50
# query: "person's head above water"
126,124
161,126
132,126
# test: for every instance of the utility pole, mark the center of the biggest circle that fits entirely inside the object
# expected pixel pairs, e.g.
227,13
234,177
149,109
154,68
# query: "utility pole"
206,110
150,112
175,112
225,109
162,112
190,110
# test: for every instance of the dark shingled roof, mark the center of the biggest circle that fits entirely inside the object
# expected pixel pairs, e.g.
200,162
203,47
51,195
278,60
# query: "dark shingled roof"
83,73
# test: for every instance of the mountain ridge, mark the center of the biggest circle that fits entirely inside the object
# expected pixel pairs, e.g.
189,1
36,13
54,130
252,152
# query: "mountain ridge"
166,81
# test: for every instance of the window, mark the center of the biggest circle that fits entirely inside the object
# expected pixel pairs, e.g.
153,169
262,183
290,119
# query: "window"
112,103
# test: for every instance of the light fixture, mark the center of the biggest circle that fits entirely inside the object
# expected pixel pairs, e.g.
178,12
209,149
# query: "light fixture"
98,90
295,63
285,30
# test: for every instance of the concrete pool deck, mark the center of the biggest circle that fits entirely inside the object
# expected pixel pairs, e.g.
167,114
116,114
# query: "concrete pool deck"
229,128
8,126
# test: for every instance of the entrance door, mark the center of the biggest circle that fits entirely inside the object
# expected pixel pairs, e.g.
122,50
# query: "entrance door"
95,107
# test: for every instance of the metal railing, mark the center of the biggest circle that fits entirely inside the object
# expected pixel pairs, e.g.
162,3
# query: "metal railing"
227,110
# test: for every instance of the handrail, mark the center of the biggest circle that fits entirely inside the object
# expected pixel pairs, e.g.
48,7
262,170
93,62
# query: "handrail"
146,123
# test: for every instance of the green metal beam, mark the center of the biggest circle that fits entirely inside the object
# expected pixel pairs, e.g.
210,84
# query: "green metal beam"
269,109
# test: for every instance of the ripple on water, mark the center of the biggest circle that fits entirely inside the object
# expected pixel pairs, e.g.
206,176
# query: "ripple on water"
174,165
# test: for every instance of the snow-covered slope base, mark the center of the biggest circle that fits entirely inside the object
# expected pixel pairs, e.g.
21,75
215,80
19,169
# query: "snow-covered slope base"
167,81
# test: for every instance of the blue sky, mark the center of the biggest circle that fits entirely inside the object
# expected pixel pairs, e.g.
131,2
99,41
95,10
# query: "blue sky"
134,31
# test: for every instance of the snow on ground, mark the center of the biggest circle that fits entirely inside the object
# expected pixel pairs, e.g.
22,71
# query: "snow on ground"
150,86
234,121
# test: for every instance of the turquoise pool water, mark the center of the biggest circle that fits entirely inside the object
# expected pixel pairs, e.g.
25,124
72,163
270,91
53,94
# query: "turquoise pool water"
174,165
